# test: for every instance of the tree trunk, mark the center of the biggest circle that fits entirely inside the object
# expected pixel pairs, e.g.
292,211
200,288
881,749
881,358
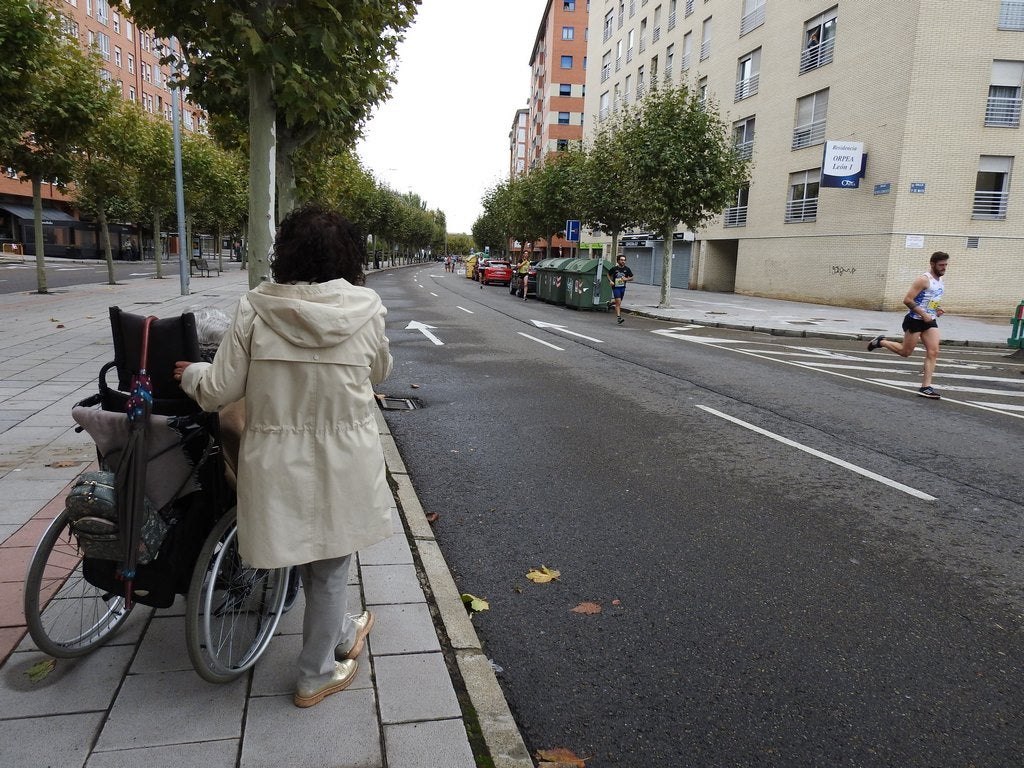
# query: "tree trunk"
285,180
262,173
219,251
666,271
547,249
108,253
37,228
156,245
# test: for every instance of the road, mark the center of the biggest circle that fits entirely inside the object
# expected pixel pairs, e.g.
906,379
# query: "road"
15,277
798,562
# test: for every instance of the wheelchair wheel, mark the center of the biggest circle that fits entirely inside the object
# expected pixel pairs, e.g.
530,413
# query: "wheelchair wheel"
66,615
233,609
292,591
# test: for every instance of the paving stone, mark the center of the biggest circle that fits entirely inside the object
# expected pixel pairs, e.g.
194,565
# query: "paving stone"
66,739
208,754
164,647
424,673
406,628
87,684
393,550
339,732
276,671
173,707
391,584
436,742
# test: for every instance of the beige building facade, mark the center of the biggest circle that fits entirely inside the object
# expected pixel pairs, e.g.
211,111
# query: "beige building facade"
920,100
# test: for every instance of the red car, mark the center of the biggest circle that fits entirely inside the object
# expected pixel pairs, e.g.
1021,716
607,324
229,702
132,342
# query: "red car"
496,271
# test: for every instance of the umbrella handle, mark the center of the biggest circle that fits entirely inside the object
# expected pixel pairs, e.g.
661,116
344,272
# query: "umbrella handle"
144,356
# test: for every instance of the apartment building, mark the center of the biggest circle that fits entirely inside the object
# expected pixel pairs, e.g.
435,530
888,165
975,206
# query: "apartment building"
130,61
517,144
558,71
878,133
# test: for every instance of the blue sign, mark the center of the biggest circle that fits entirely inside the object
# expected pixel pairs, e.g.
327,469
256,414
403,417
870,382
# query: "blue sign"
917,186
843,164
572,230
883,189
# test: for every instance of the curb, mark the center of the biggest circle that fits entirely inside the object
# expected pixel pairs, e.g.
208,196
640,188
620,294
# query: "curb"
807,334
494,718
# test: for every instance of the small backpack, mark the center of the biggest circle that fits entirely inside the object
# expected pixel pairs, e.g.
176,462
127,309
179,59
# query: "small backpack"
92,507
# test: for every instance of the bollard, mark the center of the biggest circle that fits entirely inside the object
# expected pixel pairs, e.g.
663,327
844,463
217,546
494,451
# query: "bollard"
1017,328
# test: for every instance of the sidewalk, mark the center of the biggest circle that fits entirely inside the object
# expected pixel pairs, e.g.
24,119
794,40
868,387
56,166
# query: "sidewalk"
792,318
137,701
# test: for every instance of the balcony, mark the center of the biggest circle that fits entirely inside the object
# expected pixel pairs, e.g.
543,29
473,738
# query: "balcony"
684,64
752,20
989,205
817,55
1011,14
671,21
632,8
618,63
808,135
689,8
629,55
802,210
655,35
607,35
606,72
705,49
735,216
639,90
745,149
747,88
602,115
1003,112
643,43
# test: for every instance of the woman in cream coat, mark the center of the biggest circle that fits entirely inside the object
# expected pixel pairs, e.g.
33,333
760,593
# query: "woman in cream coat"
305,352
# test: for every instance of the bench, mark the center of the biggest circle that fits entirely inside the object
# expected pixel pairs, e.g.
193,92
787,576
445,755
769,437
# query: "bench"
203,267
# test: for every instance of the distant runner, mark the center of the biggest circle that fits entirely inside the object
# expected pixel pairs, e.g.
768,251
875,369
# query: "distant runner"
920,323
618,276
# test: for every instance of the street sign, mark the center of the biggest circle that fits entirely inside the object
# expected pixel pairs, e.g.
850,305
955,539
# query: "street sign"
572,230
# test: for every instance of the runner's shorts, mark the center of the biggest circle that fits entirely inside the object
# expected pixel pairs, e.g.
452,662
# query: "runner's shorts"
618,291
917,325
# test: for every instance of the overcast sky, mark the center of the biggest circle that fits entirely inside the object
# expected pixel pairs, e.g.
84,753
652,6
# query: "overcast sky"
463,71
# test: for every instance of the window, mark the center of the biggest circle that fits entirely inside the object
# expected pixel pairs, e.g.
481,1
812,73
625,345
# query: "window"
563,118
753,15
748,72
672,15
131,93
687,51
567,62
88,7
736,214
630,39
705,37
128,30
743,138
604,107
643,35
565,89
702,91
102,11
689,8
810,120
103,45
562,145
670,55
629,86
819,41
639,82
1004,97
131,64
606,66
802,204
622,14
117,55
569,6
992,187
568,33
609,25
1011,14
117,22
618,55
656,32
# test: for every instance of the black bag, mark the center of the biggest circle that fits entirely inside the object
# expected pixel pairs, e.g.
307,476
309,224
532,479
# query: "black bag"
92,504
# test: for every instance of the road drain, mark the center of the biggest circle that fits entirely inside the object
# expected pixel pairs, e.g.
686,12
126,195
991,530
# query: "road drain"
397,403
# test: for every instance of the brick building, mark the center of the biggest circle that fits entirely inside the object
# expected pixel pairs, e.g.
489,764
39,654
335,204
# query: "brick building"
929,91
131,61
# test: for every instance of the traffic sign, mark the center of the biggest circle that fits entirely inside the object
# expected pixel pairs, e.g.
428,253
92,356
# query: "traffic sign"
572,230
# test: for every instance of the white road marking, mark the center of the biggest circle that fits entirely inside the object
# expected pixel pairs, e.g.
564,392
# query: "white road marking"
467,311
955,388
415,325
433,294
813,452
563,329
999,406
540,341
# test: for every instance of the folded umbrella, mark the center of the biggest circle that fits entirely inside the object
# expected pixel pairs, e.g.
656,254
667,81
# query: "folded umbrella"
131,469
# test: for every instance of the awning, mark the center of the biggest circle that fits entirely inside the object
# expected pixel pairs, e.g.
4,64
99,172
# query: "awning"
25,212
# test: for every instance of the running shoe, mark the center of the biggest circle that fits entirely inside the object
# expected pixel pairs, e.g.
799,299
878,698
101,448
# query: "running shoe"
928,392
621,320
875,343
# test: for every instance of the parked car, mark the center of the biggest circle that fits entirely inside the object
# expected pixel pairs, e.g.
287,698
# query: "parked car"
496,271
514,287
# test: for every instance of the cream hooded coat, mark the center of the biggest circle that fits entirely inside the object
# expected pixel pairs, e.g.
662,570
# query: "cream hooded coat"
311,479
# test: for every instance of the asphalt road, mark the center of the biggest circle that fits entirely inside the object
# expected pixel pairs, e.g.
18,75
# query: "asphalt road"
797,565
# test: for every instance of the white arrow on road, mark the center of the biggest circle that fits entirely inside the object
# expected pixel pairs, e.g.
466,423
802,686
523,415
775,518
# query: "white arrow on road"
415,325
563,329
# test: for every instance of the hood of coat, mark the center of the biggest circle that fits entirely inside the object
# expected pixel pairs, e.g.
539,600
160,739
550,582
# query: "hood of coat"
315,315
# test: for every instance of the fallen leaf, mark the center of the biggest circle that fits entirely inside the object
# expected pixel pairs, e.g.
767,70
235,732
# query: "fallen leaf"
54,320
616,601
63,464
415,386
559,757
41,669
431,517
60,325
542,576
587,608
475,603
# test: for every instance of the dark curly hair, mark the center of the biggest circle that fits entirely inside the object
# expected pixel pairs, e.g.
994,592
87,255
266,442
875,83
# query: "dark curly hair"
315,244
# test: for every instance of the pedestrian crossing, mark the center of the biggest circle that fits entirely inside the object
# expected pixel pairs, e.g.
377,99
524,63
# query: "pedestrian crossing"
989,379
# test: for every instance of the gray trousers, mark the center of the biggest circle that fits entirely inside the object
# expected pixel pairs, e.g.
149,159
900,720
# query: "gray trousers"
324,623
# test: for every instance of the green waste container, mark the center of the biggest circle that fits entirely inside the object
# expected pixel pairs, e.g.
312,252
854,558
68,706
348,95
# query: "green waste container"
579,291
552,280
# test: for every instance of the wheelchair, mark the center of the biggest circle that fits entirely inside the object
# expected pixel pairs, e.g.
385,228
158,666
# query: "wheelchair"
74,603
